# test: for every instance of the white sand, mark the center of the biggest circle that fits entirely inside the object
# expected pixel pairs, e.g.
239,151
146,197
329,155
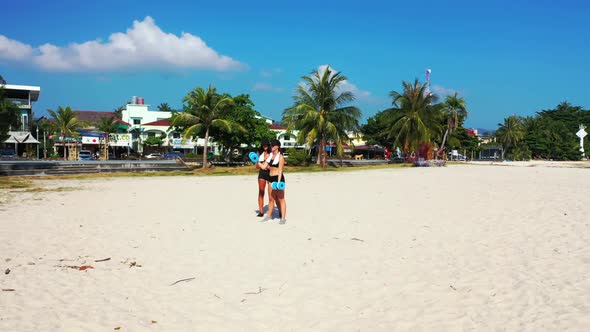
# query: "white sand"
474,248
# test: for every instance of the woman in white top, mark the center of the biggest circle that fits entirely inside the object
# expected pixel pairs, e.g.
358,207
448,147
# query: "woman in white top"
277,164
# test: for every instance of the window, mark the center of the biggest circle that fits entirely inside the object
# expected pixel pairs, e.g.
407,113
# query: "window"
287,138
151,134
136,121
25,123
175,135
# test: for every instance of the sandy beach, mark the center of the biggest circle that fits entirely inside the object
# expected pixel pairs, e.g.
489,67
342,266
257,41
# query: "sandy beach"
458,248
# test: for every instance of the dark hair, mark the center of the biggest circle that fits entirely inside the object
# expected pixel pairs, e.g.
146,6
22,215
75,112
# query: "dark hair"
264,142
275,142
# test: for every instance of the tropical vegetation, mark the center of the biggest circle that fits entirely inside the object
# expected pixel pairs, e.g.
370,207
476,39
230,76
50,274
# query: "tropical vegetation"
417,122
322,112
9,115
66,123
247,127
204,110
551,134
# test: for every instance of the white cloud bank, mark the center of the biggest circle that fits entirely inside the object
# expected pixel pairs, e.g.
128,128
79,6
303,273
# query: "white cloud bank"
14,50
443,92
143,45
345,85
266,87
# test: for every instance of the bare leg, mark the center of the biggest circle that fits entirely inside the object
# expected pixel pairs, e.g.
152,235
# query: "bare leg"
261,187
282,204
271,204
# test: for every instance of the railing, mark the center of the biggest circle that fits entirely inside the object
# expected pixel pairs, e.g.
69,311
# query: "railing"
20,102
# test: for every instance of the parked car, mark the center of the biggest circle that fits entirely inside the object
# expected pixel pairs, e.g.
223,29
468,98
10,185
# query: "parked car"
458,157
85,155
155,155
8,153
173,155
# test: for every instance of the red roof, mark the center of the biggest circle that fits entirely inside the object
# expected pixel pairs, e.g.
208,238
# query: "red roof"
277,127
162,123
95,116
470,132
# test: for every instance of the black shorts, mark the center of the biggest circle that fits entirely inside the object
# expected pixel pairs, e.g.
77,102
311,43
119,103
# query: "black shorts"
275,178
264,174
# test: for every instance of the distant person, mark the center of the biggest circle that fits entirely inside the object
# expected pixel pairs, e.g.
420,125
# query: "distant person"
277,164
263,175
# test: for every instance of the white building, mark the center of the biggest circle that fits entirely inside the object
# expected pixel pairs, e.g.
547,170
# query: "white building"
23,97
287,139
157,124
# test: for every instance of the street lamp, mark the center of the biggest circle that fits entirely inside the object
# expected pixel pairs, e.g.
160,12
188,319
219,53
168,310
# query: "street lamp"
37,138
44,146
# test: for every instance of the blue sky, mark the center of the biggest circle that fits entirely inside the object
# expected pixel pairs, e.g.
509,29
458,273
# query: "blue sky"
503,57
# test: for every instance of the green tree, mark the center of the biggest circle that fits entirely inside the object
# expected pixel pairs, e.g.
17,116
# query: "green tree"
108,125
9,115
455,111
320,112
46,128
551,134
248,126
119,111
202,111
164,107
154,141
375,130
66,122
414,117
511,132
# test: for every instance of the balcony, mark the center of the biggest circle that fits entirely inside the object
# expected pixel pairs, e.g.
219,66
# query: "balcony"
21,103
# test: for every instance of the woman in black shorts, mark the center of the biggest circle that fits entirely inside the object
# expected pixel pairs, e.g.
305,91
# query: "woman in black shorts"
263,176
277,164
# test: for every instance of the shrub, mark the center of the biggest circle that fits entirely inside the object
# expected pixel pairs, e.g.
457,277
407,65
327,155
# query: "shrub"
298,157
191,155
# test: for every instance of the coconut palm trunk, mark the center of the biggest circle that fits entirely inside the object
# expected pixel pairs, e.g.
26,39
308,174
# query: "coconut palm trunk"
323,152
205,147
63,144
442,145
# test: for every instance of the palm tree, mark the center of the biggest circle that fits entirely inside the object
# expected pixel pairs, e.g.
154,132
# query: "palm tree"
413,118
455,110
66,122
202,111
119,111
320,114
511,131
164,107
108,125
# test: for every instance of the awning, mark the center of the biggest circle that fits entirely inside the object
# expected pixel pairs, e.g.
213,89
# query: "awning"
11,139
26,139
31,140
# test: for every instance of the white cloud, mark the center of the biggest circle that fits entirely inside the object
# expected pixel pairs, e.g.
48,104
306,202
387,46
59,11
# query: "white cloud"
14,50
143,45
270,73
361,95
443,92
266,87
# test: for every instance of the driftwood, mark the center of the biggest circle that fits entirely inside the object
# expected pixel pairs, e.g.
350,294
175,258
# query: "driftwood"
260,290
102,260
181,280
